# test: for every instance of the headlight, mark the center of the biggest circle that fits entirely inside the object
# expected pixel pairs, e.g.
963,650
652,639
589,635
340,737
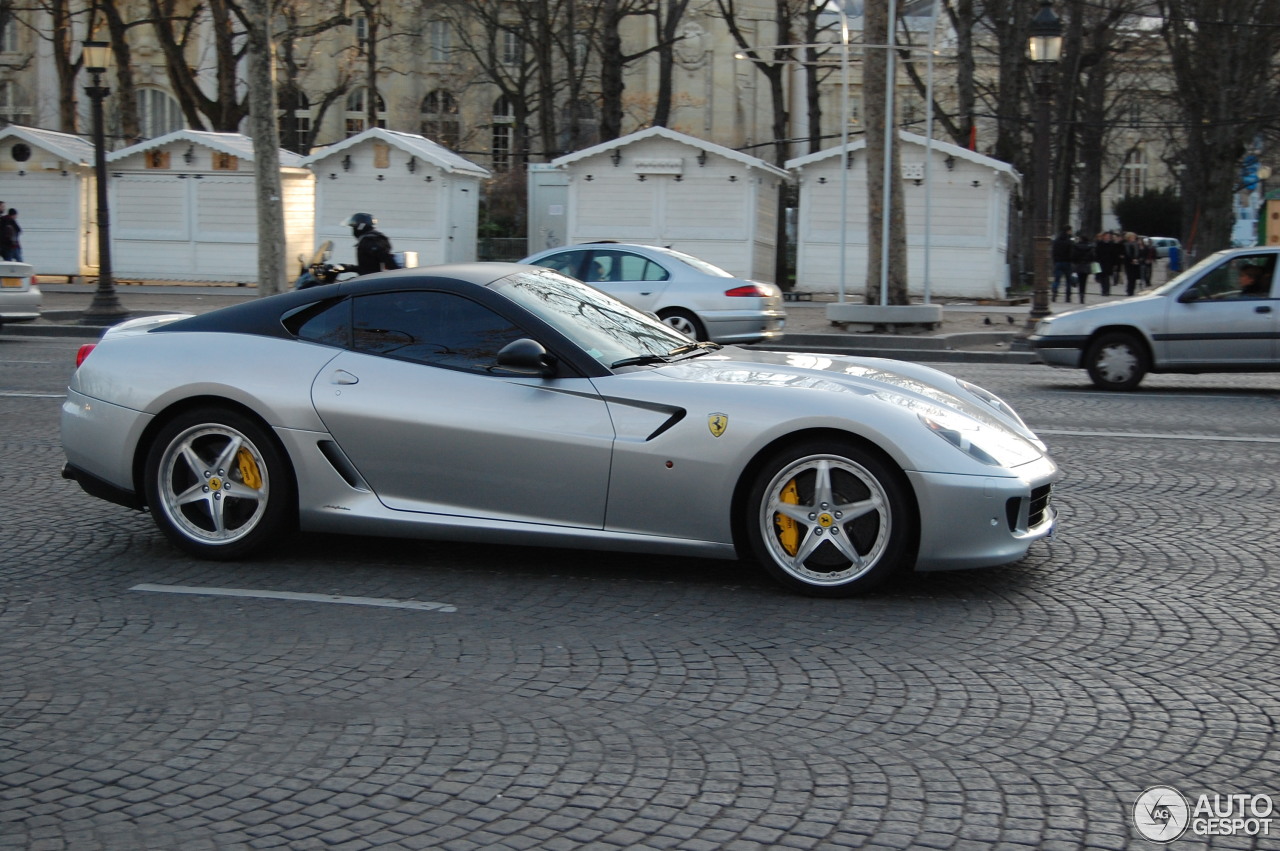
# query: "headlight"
983,443
994,401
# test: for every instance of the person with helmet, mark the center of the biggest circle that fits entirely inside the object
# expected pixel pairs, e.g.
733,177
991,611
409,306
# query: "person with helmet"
373,249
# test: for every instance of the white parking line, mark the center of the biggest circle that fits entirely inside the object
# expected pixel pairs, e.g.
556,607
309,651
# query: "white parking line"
293,595
14,394
1143,436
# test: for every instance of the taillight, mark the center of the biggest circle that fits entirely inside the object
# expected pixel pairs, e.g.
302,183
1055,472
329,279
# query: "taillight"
83,353
747,291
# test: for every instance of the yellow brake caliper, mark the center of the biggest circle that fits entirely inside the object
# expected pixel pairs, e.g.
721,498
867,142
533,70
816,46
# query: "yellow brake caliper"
249,473
788,529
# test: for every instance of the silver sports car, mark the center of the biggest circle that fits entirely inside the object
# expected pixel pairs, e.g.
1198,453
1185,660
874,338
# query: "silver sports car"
509,403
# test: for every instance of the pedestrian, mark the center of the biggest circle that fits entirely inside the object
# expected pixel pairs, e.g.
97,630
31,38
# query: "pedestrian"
1082,261
1108,253
1132,256
1148,261
373,249
1061,253
10,237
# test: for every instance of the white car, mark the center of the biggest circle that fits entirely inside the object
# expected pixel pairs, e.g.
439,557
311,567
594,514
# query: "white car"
1222,315
19,295
1163,244
695,297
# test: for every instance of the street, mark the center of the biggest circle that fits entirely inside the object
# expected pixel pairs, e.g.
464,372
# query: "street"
352,693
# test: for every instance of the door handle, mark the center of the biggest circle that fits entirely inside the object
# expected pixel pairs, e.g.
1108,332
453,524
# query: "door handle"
1262,308
341,376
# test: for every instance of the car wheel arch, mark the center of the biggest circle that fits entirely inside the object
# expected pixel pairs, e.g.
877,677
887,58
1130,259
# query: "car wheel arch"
147,440
752,468
1132,330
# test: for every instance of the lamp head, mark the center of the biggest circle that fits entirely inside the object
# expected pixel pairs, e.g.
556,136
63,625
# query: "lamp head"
96,56
1044,38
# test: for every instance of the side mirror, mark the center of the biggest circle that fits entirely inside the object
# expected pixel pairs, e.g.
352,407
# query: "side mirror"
1195,292
527,357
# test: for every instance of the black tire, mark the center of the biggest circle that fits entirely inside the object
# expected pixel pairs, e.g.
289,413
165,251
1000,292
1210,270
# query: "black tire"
685,322
1117,360
218,486
821,547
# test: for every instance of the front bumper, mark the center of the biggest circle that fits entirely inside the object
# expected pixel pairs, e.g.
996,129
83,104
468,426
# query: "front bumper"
1059,351
983,521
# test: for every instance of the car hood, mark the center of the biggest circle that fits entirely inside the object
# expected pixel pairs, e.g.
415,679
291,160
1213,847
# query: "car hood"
1096,314
914,386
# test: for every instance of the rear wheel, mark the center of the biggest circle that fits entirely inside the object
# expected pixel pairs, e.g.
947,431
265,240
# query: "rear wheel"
1117,361
829,519
685,322
217,485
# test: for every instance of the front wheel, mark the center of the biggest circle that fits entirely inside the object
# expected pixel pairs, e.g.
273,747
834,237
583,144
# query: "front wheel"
217,485
829,519
1117,361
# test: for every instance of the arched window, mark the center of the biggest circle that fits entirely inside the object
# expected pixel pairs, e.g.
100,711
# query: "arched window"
295,120
356,118
14,108
503,134
158,113
440,118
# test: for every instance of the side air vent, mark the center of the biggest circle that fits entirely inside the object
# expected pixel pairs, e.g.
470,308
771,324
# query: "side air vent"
342,465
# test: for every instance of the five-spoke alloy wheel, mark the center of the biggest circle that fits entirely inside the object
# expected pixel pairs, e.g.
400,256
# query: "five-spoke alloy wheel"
830,519
217,485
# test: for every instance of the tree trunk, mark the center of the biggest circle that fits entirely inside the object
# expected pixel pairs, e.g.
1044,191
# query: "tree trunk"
876,71
266,147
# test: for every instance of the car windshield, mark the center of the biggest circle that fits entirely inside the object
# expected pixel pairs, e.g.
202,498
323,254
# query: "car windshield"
607,329
1211,260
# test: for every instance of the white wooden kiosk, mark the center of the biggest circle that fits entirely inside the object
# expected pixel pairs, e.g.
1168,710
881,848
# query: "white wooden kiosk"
965,240
184,207
425,197
660,187
48,178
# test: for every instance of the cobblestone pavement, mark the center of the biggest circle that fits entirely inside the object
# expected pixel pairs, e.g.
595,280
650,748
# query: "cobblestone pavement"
566,700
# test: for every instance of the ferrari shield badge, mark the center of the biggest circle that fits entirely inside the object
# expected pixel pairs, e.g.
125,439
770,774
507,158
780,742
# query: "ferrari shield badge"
717,423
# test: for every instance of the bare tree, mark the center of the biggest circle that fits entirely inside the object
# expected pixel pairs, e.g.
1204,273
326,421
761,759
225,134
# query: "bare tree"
770,59
1224,55
177,30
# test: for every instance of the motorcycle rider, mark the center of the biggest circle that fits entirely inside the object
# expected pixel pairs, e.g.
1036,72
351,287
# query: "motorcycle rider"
373,249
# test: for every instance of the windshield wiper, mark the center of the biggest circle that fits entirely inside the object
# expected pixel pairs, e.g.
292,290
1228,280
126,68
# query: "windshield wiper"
638,360
694,348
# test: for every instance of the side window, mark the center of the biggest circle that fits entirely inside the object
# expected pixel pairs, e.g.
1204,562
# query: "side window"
566,262
433,328
327,323
654,272
1248,276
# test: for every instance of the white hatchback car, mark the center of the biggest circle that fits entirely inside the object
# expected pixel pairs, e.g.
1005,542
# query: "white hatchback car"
695,297
1222,315
19,296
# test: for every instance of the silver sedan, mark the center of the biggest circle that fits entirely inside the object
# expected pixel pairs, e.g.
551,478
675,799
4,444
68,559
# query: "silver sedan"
506,403
20,297
1223,315
695,297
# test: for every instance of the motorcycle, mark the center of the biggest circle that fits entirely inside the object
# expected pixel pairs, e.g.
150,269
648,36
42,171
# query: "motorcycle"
318,270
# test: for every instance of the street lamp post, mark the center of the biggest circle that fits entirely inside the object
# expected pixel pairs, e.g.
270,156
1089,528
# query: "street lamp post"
106,305
1044,47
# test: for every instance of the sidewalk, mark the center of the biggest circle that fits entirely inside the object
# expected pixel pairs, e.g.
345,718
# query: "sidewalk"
969,332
